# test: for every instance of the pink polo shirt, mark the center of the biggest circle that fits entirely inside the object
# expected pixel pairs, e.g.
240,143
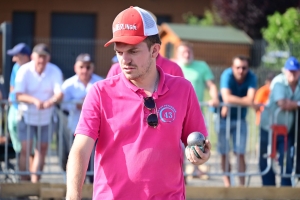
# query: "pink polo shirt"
167,66
132,159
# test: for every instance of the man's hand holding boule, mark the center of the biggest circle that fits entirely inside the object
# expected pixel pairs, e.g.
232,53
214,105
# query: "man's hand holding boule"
204,156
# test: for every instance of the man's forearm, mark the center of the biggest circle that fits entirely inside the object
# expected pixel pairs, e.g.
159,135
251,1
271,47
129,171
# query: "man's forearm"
76,171
288,105
242,101
77,165
213,92
56,98
25,98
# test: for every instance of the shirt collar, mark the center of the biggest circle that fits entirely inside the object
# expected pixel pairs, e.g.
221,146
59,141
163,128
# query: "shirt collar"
32,68
90,82
161,89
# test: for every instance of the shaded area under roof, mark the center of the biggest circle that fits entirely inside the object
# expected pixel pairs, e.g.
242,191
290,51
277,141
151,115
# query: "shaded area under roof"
224,34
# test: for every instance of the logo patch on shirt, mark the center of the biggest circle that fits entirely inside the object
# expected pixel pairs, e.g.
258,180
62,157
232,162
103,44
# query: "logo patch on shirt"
166,113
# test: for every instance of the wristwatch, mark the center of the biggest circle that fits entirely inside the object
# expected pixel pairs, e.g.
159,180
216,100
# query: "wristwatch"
298,103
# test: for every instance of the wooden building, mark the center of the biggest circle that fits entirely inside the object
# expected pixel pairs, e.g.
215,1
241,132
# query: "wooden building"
216,45
71,27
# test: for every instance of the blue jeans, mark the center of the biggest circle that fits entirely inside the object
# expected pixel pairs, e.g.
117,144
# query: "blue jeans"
269,178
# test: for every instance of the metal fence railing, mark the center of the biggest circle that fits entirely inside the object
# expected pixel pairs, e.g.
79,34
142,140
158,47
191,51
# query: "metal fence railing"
60,141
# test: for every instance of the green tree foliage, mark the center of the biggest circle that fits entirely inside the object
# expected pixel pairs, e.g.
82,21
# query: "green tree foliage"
210,18
251,15
283,29
282,35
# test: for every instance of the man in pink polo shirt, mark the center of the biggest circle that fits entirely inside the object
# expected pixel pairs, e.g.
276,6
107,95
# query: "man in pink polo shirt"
166,65
138,118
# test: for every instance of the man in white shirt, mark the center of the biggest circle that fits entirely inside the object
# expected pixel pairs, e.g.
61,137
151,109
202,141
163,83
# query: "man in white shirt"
38,87
75,89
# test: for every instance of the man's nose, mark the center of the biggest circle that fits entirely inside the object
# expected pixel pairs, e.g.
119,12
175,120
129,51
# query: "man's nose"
126,59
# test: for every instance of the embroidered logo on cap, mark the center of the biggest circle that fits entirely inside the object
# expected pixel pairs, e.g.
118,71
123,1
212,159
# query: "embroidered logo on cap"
119,27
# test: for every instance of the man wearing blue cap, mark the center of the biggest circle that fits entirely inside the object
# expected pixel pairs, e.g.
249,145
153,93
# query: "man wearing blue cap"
285,95
20,55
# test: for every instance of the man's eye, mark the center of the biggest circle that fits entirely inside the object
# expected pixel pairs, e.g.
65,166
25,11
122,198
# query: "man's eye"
119,53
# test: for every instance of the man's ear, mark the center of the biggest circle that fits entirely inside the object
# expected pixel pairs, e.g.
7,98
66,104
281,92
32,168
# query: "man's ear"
155,51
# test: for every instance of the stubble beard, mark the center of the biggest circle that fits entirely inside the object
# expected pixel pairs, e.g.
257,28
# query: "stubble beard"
143,73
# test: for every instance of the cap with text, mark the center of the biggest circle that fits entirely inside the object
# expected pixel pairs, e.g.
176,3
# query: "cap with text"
292,64
132,26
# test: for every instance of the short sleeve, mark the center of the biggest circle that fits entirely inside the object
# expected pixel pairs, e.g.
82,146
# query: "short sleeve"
225,80
278,92
66,89
252,81
89,121
20,83
208,75
58,81
13,74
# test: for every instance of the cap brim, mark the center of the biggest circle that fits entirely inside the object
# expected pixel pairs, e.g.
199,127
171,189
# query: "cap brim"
292,69
126,39
11,52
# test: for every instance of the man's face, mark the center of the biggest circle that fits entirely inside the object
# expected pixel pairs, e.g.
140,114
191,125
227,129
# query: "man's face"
240,69
184,55
292,76
136,60
40,61
20,59
84,70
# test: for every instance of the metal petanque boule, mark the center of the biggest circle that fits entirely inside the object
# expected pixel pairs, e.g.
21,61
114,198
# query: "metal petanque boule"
196,139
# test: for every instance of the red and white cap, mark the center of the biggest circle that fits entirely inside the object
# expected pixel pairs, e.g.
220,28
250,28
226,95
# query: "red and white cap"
132,26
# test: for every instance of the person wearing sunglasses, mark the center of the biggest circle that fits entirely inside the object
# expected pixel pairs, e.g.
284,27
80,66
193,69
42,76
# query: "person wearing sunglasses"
139,118
237,88
75,89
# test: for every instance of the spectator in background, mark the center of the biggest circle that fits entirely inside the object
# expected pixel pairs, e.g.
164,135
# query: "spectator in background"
20,55
167,65
38,87
76,88
197,72
285,95
200,75
262,97
238,86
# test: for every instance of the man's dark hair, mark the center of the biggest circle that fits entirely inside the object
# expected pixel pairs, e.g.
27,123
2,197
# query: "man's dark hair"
152,39
242,58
